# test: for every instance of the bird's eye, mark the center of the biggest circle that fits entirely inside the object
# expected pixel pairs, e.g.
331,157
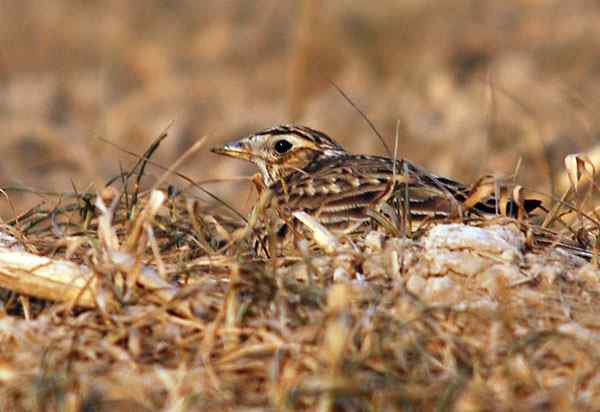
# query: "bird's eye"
282,146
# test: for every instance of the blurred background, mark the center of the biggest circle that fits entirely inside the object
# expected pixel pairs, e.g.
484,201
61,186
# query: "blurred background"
473,85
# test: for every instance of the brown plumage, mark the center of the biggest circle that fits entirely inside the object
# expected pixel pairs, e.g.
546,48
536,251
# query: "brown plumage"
308,171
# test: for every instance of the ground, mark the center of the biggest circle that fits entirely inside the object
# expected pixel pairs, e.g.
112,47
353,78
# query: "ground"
452,317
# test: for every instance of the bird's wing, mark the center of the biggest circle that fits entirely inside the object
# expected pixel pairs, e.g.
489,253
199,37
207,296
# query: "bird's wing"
344,189
471,199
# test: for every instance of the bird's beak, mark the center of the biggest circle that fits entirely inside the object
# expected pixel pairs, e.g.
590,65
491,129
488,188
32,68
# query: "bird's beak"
237,149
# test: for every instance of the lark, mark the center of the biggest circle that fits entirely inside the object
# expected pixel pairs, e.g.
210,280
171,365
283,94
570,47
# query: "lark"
306,170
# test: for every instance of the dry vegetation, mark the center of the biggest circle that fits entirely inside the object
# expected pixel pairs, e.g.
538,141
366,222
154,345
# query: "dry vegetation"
163,305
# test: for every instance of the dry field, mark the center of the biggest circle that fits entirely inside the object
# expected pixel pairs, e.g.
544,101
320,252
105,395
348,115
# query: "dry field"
118,296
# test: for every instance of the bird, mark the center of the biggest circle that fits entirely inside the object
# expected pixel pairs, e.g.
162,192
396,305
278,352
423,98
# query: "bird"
306,170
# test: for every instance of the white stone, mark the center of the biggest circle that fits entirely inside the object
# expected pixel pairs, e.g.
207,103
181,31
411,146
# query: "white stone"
441,290
442,262
416,284
496,240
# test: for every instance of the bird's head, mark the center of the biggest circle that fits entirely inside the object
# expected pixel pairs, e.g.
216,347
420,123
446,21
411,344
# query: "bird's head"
282,150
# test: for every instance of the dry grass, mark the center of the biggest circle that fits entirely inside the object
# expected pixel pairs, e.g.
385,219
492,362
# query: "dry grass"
474,86
177,314
182,316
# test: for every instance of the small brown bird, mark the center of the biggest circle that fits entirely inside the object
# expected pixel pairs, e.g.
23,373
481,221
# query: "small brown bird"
308,171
